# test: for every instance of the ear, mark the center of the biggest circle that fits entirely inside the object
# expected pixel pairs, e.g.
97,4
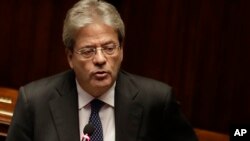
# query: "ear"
69,55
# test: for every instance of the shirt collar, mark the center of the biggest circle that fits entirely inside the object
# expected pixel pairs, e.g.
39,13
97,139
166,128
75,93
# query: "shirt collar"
85,98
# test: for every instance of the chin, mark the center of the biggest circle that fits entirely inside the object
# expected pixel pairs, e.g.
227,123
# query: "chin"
102,83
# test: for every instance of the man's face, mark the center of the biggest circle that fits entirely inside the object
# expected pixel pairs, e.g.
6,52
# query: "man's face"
99,72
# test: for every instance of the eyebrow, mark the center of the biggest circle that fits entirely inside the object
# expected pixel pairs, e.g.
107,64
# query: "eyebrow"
93,46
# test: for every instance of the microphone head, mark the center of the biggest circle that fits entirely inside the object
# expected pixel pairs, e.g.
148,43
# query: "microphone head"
88,129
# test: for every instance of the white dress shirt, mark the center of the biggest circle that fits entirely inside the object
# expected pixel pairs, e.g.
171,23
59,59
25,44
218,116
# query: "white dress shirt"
106,113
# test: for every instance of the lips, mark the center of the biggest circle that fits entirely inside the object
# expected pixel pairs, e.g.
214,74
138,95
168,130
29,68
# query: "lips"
100,74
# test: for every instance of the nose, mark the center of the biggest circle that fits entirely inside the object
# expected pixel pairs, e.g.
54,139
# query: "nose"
99,57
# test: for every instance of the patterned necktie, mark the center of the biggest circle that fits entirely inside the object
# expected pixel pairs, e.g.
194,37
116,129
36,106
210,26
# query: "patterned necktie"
95,120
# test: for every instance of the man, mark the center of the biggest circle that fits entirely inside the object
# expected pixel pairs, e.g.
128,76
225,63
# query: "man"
134,108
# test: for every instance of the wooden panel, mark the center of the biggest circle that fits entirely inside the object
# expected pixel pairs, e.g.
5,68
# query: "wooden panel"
8,98
205,135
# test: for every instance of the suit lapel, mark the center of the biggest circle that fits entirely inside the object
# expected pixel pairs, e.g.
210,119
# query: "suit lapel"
64,110
128,112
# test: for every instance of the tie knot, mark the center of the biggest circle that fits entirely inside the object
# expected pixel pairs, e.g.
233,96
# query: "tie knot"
96,105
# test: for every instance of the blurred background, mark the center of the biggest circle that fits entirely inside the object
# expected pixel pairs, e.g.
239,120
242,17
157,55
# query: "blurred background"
200,47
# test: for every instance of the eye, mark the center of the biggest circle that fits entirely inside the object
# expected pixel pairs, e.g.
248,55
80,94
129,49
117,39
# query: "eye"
109,48
87,51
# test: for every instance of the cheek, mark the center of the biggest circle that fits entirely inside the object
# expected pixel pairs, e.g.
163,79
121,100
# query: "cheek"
82,66
77,65
119,59
116,62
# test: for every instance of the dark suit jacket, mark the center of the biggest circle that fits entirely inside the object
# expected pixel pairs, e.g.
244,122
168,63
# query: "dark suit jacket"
145,110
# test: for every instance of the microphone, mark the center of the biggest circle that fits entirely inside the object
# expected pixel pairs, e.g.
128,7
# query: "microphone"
87,132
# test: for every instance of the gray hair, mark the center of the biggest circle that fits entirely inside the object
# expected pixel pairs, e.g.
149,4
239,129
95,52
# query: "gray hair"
89,11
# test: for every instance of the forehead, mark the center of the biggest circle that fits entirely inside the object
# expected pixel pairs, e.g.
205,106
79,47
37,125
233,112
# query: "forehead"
95,34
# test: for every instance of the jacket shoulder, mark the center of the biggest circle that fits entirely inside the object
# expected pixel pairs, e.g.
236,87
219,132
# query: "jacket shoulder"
146,84
46,85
